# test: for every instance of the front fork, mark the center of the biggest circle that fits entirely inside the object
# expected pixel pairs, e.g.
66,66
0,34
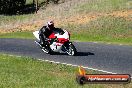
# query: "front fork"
66,46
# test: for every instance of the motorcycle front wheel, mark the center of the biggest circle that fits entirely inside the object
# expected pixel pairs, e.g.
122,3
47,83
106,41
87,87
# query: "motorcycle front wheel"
71,50
47,51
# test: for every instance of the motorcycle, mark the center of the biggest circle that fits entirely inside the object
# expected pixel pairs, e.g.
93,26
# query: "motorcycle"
57,42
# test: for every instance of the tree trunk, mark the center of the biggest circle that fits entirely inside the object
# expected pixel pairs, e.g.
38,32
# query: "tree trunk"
35,2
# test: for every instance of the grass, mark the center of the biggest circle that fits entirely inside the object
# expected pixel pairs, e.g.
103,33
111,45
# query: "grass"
102,34
69,8
103,29
25,72
13,21
23,35
111,29
103,6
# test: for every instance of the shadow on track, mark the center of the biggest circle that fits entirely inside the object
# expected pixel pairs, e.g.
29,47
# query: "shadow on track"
78,54
84,53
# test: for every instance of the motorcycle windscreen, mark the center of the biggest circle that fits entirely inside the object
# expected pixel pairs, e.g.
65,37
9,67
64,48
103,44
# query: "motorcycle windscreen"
36,34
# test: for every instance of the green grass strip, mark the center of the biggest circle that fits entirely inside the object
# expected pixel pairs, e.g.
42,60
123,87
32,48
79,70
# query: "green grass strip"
25,72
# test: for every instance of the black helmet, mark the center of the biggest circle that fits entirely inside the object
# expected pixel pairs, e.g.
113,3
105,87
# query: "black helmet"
50,24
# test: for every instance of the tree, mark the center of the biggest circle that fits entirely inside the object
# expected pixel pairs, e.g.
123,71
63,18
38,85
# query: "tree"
11,6
36,5
54,1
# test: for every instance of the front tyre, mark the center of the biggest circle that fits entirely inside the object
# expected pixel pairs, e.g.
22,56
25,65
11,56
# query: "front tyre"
71,50
47,51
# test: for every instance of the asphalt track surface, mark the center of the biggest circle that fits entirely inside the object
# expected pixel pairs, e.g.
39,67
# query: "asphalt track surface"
113,58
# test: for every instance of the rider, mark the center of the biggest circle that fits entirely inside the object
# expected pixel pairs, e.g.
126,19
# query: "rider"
45,32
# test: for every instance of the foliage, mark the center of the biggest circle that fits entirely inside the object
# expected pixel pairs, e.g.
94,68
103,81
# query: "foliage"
11,6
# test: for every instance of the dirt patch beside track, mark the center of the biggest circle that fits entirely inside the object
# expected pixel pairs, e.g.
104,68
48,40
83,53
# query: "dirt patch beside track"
77,19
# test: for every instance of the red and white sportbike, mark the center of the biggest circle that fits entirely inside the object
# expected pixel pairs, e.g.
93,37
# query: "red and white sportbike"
57,42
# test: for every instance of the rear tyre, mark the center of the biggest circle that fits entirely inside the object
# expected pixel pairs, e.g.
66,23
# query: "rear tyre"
71,50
